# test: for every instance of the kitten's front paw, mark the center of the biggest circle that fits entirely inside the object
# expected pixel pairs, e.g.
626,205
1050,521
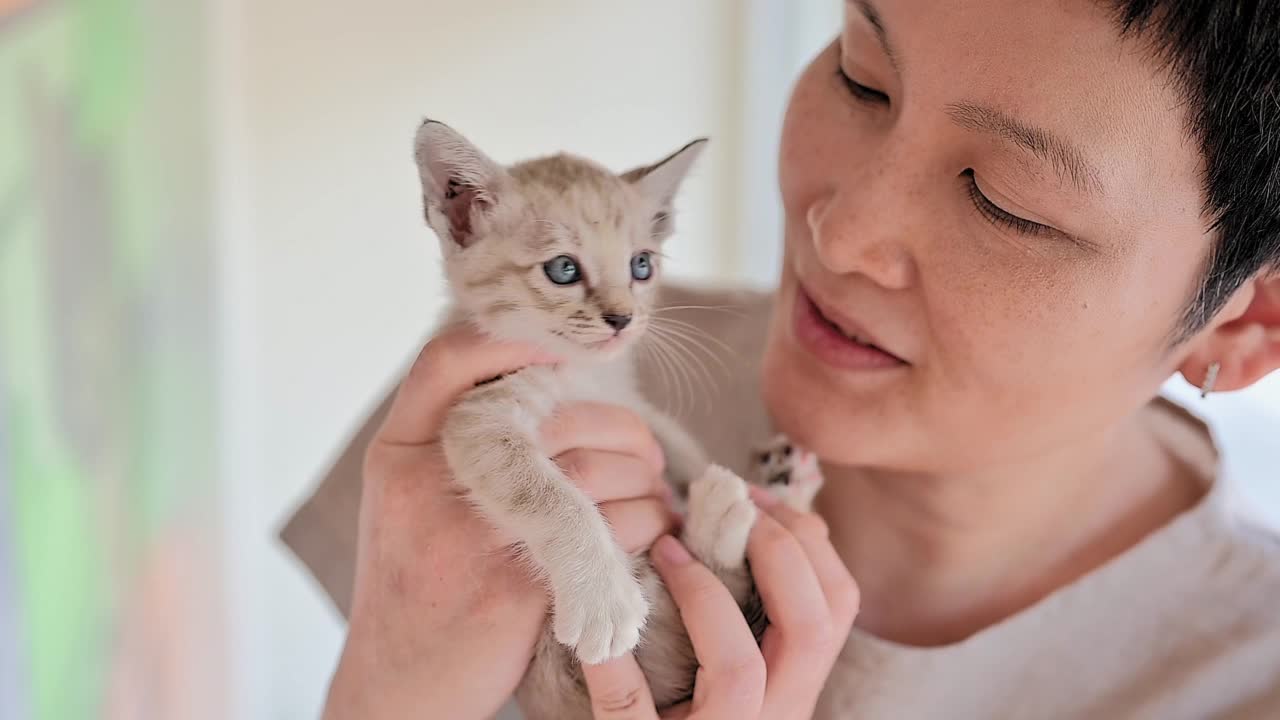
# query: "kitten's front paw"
721,515
601,617
791,473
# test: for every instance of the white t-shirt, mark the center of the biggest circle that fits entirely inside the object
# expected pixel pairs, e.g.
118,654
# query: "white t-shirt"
1186,624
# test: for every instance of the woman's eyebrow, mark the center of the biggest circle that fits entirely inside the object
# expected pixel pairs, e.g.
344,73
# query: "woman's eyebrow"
873,18
1067,159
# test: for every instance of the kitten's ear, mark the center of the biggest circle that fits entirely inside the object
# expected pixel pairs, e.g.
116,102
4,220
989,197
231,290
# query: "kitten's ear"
660,181
458,181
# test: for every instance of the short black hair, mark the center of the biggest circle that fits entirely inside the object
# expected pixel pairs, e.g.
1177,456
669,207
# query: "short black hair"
1225,55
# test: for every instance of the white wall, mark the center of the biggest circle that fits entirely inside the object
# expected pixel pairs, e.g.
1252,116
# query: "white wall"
329,277
781,38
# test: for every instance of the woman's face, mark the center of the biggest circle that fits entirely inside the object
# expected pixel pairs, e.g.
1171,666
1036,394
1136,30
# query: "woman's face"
1002,197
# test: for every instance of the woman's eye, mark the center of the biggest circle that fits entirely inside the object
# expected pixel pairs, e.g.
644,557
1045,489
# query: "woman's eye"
562,270
999,215
860,91
642,266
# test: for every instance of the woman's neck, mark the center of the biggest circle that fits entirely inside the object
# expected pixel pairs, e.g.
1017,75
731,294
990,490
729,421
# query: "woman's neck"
940,558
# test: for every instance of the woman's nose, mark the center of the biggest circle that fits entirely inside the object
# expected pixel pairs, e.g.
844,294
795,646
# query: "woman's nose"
858,231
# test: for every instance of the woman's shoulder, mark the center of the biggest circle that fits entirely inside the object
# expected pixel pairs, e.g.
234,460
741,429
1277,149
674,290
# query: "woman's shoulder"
1239,529
1242,430
1230,626
1247,569
1228,442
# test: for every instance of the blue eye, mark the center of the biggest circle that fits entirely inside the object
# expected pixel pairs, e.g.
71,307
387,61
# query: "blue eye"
562,270
642,266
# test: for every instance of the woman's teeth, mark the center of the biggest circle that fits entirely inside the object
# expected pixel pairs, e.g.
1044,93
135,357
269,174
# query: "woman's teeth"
859,340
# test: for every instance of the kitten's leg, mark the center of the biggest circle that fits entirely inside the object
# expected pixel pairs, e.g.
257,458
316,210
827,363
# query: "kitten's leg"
599,607
686,461
719,522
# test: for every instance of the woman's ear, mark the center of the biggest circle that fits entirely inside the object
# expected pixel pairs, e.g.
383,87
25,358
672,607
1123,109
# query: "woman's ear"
1244,340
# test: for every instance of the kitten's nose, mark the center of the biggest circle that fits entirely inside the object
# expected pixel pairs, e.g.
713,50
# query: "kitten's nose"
617,322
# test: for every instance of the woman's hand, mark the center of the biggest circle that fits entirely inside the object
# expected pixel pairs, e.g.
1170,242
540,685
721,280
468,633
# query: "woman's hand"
811,601
443,618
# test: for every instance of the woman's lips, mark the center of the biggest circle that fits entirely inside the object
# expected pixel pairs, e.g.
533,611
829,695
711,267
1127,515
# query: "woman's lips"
827,342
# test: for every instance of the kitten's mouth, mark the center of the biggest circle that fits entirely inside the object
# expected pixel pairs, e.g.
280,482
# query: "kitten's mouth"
617,341
611,343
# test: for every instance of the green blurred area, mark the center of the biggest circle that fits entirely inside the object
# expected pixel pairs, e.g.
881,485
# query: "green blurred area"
105,306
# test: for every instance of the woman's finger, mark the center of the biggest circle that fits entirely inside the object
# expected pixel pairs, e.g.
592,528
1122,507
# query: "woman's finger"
450,364
638,522
789,587
619,690
597,426
606,476
811,532
731,676
797,644
804,635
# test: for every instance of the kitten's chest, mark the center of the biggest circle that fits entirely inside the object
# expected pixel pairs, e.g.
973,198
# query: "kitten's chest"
598,382
537,391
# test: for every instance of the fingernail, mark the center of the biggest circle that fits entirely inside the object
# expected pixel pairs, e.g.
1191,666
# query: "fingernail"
762,497
671,551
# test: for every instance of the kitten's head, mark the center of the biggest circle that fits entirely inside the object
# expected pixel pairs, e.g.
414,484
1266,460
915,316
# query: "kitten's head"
557,251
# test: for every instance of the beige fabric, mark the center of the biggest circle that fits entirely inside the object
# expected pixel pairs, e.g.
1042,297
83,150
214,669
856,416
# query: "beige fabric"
1184,625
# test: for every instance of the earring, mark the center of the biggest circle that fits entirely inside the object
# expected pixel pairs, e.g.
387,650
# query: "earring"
1210,378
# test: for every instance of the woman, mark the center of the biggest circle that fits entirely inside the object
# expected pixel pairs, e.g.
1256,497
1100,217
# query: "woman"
1008,223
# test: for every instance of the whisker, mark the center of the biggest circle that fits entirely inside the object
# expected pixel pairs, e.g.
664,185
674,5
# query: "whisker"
651,347
690,345
679,396
695,365
714,308
676,355
689,383
705,381
696,335
698,329
675,333
697,342
661,363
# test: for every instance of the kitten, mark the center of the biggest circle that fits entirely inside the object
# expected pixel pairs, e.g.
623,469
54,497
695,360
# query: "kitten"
564,254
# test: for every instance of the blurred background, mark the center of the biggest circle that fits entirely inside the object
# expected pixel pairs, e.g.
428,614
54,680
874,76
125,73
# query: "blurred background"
212,262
